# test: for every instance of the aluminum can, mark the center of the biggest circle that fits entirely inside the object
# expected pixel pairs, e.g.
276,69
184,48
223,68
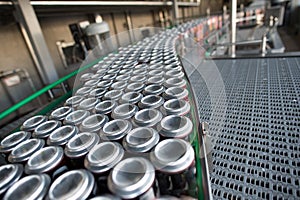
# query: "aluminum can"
132,178
93,123
22,152
74,184
76,117
62,135
12,140
60,113
43,130
9,174
31,123
30,187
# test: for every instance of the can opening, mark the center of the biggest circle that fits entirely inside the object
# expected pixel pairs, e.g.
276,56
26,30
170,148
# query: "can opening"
68,186
43,157
130,173
80,141
104,153
6,172
95,119
171,152
12,139
64,131
140,136
25,148
172,123
115,126
146,115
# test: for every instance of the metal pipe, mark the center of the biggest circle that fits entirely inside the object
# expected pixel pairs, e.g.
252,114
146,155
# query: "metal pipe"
105,3
233,26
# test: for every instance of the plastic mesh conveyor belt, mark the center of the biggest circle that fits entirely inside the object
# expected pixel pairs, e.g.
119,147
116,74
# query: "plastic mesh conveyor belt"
254,117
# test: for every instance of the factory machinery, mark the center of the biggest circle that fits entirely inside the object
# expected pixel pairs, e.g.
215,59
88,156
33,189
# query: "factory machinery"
158,119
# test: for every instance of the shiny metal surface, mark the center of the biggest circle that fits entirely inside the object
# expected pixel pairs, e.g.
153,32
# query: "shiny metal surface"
97,93
9,174
76,117
113,95
44,129
74,101
124,111
88,104
60,113
93,123
29,187
44,160
105,107
174,126
154,89
12,140
31,123
175,107
131,97
103,157
62,135
141,139
175,82
84,91
81,144
75,184
24,150
176,93
172,156
115,129
151,101
146,117
131,177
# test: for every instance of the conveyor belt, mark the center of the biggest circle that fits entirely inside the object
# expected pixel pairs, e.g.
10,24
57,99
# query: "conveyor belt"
254,116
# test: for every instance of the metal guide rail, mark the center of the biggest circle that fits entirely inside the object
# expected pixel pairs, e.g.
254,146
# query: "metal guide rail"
255,124
130,131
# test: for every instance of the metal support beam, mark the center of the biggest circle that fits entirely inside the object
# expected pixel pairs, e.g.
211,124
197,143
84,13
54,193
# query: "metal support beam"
35,41
175,12
233,26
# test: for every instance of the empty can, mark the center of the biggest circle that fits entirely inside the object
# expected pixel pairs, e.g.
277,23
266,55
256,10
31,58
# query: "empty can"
78,147
148,117
151,101
176,93
175,107
132,178
74,101
93,123
31,123
105,107
60,113
131,97
141,139
22,152
29,187
174,126
115,130
9,174
43,130
76,117
46,160
62,135
12,140
173,159
88,104
175,82
75,184
124,111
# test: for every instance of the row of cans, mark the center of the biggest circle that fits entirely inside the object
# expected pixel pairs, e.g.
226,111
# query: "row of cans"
124,134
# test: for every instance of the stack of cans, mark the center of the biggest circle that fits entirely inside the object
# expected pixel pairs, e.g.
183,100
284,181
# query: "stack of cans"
125,134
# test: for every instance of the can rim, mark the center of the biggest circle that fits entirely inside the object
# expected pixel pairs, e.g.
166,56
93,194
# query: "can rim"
14,174
52,156
84,185
6,145
114,153
39,184
138,166
87,140
141,147
54,140
174,159
18,155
